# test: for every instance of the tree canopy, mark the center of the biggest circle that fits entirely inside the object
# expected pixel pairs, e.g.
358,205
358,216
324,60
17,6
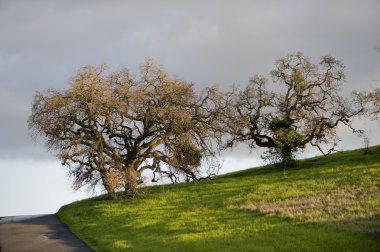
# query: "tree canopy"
110,127
303,107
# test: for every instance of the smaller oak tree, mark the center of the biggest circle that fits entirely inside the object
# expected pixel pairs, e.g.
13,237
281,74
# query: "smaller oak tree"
110,127
305,108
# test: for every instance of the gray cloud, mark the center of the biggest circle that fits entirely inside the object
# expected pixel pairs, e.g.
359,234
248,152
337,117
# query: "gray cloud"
43,43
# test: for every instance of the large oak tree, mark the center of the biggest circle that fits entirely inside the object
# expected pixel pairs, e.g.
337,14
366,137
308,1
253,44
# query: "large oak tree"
110,127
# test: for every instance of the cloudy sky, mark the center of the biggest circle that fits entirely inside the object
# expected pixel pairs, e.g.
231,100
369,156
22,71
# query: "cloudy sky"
43,44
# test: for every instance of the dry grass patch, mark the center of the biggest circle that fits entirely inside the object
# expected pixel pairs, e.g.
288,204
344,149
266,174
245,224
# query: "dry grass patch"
357,208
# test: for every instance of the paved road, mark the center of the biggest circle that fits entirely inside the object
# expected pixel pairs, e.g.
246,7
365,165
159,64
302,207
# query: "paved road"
38,233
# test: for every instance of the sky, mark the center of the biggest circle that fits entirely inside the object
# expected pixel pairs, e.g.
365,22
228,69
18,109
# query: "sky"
44,43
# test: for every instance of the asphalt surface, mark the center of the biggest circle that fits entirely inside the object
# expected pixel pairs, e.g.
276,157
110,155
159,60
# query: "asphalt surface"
38,233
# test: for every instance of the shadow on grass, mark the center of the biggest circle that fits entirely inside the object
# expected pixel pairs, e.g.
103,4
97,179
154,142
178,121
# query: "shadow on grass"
196,221
369,226
201,217
221,232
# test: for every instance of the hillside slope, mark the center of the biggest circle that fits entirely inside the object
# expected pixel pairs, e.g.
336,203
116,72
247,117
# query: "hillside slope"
324,204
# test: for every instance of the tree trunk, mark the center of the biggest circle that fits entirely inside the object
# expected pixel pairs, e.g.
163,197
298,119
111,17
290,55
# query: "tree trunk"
130,182
287,156
110,191
110,183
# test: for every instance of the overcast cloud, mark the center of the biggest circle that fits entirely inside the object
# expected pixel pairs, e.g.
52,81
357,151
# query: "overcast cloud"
43,44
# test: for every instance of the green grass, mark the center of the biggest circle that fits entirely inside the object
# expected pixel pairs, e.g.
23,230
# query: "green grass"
324,204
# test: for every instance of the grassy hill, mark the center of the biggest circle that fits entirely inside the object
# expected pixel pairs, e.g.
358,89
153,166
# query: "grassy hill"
324,204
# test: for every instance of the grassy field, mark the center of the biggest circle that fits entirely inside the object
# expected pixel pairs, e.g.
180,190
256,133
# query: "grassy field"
324,204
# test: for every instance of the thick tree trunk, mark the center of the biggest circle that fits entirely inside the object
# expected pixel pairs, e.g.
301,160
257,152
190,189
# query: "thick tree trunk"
110,183
112,195
130,182
110,191
287,156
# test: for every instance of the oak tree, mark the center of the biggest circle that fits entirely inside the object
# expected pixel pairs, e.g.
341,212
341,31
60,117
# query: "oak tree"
303,106
108,127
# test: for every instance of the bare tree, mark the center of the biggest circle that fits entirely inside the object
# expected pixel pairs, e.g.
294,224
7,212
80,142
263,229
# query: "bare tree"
372,99
373,103
305,108
110,127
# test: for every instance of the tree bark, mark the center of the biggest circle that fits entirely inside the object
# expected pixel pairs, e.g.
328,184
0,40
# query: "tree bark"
130,182
109,188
